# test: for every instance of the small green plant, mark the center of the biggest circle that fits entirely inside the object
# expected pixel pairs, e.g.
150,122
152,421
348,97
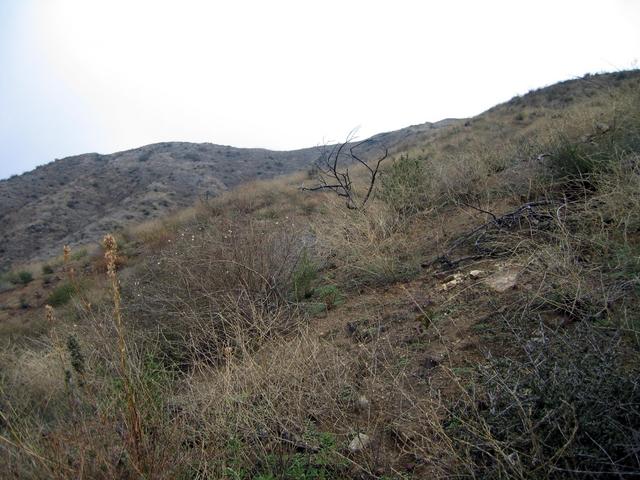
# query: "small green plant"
323,463
25,277
61,294
47,269
79,254
330,295
596,153
304,276
24,303
573,161
22,277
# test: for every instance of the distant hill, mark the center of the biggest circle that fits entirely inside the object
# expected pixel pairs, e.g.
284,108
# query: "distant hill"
77,199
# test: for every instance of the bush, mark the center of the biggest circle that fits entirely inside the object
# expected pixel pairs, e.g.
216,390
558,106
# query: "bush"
330,295
22,277
79,254
304,276
570,404
220,286
578,161
405,185
47,269
61,294
25,277
600,151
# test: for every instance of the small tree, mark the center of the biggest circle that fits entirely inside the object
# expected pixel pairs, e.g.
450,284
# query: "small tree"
333,172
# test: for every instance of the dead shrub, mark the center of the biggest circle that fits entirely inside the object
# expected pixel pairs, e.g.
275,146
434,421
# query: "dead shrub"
216,285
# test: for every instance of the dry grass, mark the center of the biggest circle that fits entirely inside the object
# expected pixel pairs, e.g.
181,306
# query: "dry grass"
212,364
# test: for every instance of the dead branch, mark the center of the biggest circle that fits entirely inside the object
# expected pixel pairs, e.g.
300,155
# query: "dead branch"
528,212
333,171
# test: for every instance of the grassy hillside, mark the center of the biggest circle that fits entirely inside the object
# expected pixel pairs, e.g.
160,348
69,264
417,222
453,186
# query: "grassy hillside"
78,199
478,318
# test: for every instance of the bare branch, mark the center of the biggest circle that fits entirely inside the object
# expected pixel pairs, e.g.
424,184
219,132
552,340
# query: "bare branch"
331,176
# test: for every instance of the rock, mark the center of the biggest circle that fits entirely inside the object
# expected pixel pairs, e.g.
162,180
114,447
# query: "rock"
502,281
431,361
475,273
359,443
456,279
362,403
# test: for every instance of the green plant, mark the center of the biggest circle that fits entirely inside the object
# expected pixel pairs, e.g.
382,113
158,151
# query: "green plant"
47,269
79,254
576,161
321,463
405,185
24,303
304,276
61,294
22,277
77,359
330,295
599,152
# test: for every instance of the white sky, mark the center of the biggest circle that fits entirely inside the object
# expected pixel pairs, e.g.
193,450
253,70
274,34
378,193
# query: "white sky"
80,76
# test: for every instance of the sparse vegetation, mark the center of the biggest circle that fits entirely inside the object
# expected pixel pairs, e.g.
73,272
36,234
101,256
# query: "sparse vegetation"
405,186
21,277
61,294
478,319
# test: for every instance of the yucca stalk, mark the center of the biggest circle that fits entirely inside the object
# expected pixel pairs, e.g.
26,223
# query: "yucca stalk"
134,424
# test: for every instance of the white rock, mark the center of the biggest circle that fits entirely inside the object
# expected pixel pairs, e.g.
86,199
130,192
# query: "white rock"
457,279
475,273
503,281
359,443
362,403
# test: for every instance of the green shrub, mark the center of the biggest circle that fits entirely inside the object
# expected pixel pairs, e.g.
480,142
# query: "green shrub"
578,161
330,295
79,254
598,152
19,278
304,276
322,462
61,294
405,185
47,269
75,355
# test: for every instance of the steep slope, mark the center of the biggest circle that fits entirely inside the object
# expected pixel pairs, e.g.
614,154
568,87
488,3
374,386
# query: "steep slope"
478,319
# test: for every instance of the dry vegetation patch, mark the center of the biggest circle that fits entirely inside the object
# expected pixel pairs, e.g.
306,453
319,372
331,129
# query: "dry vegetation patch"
275,333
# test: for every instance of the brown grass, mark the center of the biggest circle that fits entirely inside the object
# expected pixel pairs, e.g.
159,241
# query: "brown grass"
200,358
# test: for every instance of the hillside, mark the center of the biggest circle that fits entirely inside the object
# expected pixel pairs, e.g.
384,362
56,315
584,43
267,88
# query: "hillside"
477,318
78,199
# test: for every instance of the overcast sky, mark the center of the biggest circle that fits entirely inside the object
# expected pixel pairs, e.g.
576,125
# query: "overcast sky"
81,76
